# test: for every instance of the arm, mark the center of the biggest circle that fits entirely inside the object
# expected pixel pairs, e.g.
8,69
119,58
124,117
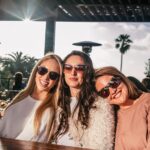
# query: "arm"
7,123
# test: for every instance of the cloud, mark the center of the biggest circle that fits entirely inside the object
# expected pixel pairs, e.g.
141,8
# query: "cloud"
126,26
142,27
142,43
139,47
107,45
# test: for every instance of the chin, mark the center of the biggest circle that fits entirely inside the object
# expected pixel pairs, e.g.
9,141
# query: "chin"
43,89
73,85
115,102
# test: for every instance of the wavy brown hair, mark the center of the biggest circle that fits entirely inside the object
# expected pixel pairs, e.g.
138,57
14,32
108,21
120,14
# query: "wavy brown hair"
51,100
86,97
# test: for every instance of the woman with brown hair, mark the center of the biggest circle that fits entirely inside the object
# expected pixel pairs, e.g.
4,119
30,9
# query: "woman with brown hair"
84,120
30,115
133,116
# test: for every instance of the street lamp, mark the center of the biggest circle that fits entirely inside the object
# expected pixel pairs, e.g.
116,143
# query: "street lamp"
87,46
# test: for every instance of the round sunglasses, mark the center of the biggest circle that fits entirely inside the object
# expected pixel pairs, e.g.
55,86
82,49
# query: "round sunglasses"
113,83
52,74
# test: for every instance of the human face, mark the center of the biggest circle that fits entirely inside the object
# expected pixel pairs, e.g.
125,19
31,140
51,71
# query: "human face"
74,75
113,83
46,80
117,95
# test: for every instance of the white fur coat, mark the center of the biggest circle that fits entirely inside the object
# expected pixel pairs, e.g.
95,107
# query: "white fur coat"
100,133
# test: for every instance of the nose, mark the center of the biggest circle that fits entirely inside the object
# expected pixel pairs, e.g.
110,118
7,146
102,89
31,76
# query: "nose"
112,90
46,76
73,71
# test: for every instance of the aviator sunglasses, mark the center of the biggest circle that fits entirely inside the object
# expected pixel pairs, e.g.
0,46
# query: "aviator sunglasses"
52,74
78,68
113,83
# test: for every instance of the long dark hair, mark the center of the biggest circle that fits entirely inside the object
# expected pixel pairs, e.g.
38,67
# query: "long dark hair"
86,97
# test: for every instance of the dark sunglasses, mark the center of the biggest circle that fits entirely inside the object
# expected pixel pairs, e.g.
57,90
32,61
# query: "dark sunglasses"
79,68
113,83
42,71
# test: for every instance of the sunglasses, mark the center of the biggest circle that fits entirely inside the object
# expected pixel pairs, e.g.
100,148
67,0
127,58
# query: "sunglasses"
78,68
113,83
52,74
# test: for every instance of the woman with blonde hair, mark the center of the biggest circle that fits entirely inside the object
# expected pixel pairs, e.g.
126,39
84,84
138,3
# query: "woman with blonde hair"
133,116
30,115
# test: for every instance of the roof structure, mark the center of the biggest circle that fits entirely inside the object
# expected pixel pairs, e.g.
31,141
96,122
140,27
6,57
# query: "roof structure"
76,10
73,11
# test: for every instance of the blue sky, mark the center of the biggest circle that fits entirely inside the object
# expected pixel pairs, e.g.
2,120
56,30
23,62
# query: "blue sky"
29,37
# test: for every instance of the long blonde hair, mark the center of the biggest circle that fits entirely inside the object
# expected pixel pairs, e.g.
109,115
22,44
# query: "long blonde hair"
49,102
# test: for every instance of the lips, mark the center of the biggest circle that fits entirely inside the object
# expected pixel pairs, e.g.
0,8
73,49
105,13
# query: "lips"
73,79
44,83
116,95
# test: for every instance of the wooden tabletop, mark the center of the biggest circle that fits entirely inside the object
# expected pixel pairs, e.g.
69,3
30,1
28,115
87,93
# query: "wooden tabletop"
11,144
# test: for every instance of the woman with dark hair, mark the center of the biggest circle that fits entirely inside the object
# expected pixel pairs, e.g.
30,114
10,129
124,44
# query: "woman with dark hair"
83,119
133,116
137,83
146,83
31,114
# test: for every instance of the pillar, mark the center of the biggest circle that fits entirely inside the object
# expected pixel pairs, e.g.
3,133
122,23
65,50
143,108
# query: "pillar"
50,36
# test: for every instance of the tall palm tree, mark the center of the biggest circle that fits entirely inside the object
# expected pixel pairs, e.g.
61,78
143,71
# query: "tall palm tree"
123,44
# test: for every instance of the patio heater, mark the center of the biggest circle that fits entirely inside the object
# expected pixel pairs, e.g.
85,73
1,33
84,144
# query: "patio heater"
87,46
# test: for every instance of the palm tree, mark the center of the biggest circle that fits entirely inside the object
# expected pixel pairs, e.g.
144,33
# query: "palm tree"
17,61
123,44
30,62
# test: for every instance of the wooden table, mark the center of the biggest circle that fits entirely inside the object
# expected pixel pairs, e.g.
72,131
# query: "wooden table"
11,144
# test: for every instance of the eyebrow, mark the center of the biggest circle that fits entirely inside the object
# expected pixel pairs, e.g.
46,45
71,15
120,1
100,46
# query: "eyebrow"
75,65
